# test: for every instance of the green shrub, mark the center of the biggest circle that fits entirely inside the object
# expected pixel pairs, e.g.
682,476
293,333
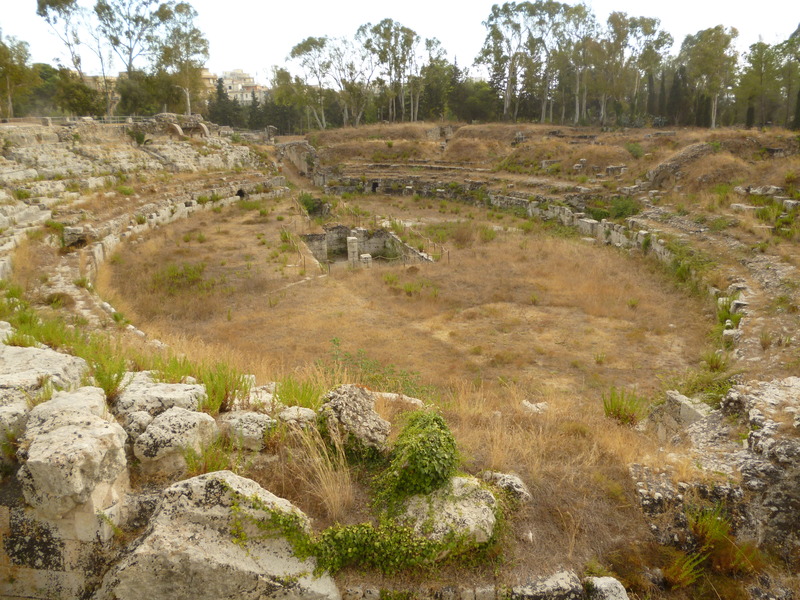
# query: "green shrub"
125,190
423,459
625,407
21,194
224,385
634,149
624,207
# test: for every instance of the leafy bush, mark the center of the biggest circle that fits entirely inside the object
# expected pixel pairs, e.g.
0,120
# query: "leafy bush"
634,149
625,407
423,459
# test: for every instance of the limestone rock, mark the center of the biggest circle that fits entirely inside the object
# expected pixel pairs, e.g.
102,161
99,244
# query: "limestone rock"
27,368
189,553
352,409
463,508
161,446
143,399
512,484
73,453
605,588
297,415
535,408
564,585
246,428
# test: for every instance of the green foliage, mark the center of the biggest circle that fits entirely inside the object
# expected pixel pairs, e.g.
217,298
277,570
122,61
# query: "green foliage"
293,392
684,570
138,136
310,203
714,536
635,149
21,194
371,373
219,455
224,385
623,406
725,311
107,365
624,207
173,279
125,190
388,547
423,459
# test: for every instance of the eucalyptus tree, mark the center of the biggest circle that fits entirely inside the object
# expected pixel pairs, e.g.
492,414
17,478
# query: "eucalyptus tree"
131,27
394,46
759,81
710,58
16,75
65,18
314,60
352,67
580,28
182,51
508,37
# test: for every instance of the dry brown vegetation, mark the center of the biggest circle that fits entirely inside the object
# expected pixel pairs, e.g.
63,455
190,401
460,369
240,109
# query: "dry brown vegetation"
522,316
513,311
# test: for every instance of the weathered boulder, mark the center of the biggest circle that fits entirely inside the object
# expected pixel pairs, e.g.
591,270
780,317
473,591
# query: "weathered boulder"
351,408
246,428
162,445
297,415
678,412
143,399
463,508
605,588
26,368
189,550
510,483
73,453
564,585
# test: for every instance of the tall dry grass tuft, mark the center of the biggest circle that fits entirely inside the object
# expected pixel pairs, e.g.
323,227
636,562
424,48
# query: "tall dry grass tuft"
323,469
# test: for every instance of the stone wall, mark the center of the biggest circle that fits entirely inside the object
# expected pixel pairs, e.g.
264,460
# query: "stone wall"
379,243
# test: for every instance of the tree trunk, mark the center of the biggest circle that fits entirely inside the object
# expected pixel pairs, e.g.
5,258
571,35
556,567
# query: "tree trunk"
507,96
545,95
603,99
10,111
583,108
714,100
577,96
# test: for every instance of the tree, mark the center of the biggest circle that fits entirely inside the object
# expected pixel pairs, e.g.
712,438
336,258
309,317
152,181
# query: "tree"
352,68
316,64
759,80
183,51
16,77
710,60
131,26
394,47
75,97
508,30
64,17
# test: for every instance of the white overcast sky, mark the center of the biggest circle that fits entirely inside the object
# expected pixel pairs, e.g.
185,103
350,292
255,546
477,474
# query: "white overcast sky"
254,35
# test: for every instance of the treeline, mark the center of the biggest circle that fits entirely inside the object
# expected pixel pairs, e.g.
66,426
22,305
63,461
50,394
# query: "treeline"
158,44
547,61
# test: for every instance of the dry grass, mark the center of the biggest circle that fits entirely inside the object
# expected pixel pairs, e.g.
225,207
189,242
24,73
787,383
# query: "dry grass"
395,131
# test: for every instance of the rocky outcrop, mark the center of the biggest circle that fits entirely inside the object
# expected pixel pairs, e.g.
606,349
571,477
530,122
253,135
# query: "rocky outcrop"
72,452
246,429
144,399
162,446
189,551
564,585
463,509
509,483
26,368
771,468
604,588
665,175
351,409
